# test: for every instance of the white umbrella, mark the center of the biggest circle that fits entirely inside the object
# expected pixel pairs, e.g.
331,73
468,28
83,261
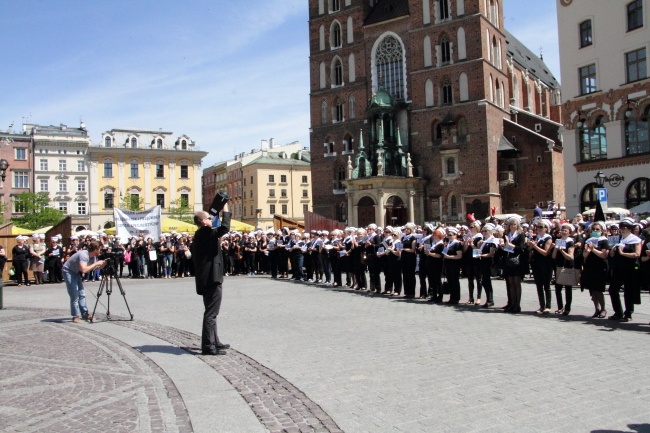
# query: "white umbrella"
86,233
642,208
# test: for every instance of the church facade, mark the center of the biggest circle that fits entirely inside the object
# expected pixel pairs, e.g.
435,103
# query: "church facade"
428,110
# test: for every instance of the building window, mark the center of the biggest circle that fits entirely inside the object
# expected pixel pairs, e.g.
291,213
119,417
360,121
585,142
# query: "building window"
272,209
108,200
305,193
159,143
134,142
284,209
585,34
81,186
329,148
352,107
272,192
160,170
389,59
323,113
436,132
304,179
44,185
251,195
637,193
244,195
184,144
271,178
337,72
185,200
444,9
63,165
63,207
494,13
81,208
593,142
107,141
283,193
635,65
447,94
134,169
451,165
63,185
335,5
251,180
637,134
588,197
335,35
453,206
43,164
587,75
108,169
81,165
305,208
634,15
21,179
347,145
21,154
338,112
160,200
283,178
445,49
184,172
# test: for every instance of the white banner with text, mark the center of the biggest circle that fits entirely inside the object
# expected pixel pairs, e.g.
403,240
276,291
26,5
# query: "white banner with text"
134,223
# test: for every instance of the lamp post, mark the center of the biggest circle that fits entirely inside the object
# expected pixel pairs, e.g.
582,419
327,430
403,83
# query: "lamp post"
602,191
600,179
4,165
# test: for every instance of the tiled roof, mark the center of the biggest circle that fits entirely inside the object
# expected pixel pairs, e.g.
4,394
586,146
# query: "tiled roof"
528,60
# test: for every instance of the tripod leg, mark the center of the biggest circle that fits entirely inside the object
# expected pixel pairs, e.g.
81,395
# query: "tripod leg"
119,284
109,291
99,294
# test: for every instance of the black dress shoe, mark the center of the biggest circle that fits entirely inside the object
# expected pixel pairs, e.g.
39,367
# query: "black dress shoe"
223,346
214,352
487,305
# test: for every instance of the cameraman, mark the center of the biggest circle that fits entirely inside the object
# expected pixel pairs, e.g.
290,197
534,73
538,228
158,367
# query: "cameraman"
76,265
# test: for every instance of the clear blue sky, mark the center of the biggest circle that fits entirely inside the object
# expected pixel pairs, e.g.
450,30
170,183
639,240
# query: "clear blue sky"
226,73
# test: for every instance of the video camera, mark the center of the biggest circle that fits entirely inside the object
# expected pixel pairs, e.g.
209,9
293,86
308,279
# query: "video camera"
220,200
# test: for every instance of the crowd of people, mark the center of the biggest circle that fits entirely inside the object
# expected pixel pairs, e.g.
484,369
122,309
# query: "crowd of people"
426,261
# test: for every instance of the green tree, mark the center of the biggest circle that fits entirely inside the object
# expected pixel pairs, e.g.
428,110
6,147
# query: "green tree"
132,202
180,209
36,211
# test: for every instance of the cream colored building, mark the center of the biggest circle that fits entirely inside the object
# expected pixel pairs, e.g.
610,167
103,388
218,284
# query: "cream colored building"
276,184
145,167
603,54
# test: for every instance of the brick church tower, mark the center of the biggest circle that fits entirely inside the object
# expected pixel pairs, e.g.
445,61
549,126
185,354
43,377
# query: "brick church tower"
427,110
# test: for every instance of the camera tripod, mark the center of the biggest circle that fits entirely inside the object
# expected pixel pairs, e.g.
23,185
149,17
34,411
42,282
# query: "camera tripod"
106,283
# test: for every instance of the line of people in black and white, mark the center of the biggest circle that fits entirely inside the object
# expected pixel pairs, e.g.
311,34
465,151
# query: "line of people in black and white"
435,259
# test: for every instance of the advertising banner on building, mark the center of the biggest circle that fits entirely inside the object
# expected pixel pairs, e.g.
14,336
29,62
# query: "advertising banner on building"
134,223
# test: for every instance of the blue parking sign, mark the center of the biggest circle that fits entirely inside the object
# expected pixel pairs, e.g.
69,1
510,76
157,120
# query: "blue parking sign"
602,195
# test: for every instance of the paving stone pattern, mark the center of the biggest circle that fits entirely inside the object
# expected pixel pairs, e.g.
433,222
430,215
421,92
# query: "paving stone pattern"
279,405
59,376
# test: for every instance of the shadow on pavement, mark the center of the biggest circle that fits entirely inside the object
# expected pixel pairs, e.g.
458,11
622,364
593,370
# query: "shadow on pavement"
639,428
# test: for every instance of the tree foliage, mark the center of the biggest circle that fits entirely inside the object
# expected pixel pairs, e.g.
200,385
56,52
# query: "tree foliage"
132,202
180,209
36,211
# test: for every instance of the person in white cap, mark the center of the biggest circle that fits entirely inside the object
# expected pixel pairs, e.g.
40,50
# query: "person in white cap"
19,255
453,255
563,254
542,264
37,261
54,261
514,263
623,261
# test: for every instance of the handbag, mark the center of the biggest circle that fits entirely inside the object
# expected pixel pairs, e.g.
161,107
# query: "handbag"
511,262
566,276
188,254
12,271
127,257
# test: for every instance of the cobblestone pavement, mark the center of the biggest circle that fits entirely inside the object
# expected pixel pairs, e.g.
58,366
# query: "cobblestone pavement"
378,364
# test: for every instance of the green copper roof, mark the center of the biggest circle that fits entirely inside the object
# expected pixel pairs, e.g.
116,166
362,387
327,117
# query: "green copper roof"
381,99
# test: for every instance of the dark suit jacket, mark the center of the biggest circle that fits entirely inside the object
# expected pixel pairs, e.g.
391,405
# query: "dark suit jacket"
207,255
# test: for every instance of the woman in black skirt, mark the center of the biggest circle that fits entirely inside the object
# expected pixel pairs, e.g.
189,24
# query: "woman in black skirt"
488,248
514,262
409,259
594,268
542,264
624,263
472,266
563,259
453,255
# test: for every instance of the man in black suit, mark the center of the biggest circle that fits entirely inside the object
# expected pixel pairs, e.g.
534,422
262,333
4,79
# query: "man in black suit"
209,270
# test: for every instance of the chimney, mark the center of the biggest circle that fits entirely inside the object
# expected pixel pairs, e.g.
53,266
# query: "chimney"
264,144
271,142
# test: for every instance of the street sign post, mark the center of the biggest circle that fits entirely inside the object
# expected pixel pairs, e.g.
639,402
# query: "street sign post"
602,197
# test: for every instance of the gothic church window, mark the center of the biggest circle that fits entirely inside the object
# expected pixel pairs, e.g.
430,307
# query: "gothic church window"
445,50
335,35
337,72
389,60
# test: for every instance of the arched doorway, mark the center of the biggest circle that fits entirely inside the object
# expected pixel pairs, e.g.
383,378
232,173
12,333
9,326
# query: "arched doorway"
588,197
80,228
366,211
638,192
395,212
